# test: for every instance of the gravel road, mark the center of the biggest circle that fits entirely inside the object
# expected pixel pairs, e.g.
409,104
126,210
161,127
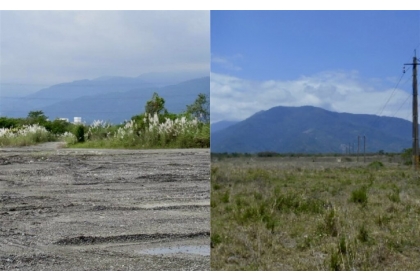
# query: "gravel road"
93,209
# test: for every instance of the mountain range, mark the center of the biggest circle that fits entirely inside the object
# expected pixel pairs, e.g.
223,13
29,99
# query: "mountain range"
221,125
310,129
112,99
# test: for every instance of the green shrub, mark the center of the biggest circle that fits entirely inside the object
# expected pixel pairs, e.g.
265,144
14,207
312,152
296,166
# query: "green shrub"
80,133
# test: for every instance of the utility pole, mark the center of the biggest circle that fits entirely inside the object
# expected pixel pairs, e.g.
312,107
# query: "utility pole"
358,146
415,115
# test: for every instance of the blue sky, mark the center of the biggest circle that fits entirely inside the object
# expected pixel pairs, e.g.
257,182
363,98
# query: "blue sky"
344,61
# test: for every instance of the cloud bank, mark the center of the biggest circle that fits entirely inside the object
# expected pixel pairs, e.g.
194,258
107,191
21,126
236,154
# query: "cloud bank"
48,47
233,98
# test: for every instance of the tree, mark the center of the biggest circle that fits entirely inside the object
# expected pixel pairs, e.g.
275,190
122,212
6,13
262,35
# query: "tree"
37,117
200,108
156,105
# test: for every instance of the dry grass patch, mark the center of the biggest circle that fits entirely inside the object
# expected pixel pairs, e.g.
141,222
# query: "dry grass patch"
269,215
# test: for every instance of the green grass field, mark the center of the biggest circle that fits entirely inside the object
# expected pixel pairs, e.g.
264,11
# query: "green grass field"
275,214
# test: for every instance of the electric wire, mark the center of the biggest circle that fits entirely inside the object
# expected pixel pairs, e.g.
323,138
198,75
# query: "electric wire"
392,94
408,96
379,114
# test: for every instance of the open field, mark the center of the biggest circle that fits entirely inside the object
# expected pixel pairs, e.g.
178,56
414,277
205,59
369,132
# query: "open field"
314,214
86,209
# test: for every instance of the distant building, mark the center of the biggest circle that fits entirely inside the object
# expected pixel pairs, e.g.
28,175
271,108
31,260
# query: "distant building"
64,119
77,120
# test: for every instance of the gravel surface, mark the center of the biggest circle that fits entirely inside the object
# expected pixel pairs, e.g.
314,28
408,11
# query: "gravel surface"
92,209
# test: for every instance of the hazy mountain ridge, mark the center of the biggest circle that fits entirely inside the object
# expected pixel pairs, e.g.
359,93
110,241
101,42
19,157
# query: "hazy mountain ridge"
108,98
310,129
117,107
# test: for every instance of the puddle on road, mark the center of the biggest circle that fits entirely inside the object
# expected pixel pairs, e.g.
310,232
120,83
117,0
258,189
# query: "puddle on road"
202,250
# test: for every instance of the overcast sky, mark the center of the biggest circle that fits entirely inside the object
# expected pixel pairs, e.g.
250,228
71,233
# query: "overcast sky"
40,48
344,61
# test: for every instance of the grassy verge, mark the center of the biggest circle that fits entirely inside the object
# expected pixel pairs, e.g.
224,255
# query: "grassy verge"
129,136
268,215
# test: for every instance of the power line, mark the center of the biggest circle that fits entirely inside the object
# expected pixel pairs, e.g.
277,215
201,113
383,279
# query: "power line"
363,132
392,94
408,96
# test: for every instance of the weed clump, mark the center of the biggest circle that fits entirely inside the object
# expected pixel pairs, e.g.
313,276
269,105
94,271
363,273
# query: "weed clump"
330,224
342,245
225,197
291,202
376,165
383,220
363,234
359,196
217,187
394,196
335,261
215,239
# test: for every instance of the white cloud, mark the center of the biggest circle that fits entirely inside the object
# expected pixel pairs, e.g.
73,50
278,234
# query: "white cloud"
228,63
233,98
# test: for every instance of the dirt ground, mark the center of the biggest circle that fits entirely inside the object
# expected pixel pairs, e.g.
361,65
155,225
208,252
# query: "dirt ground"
91,209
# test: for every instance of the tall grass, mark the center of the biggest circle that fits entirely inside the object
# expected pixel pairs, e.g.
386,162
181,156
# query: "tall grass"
150,132
25,136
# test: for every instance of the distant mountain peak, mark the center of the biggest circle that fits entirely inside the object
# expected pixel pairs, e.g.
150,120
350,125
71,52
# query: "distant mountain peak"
309,129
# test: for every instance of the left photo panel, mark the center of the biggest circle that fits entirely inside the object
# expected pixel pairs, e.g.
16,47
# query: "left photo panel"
104,140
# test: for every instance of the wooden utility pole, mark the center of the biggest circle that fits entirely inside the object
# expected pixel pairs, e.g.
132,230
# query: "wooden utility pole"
415,115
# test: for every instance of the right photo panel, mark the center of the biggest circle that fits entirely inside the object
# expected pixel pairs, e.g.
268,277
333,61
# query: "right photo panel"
314,140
